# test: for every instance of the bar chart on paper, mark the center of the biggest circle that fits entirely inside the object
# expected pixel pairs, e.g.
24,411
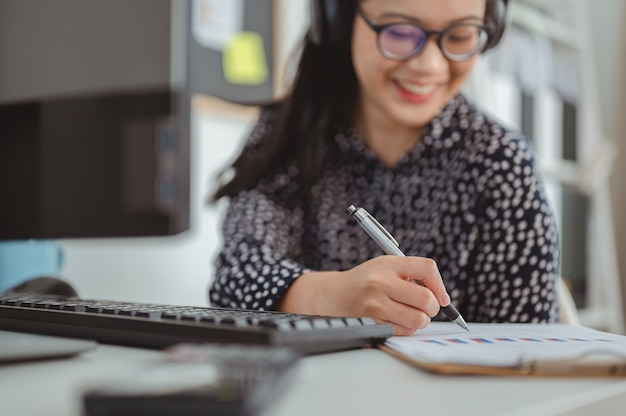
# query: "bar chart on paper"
510,346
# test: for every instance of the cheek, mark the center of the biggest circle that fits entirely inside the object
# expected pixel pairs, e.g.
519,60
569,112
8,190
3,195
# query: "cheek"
366,64
369,64
460,71
374,71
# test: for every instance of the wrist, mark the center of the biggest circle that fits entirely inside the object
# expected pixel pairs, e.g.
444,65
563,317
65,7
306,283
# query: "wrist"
306,294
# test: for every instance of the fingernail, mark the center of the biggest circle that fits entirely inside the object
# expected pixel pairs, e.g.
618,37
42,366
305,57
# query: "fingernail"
447,299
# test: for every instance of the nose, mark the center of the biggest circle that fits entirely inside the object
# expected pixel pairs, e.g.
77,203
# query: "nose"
431,59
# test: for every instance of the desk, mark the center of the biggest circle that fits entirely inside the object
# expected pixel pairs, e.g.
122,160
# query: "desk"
357,382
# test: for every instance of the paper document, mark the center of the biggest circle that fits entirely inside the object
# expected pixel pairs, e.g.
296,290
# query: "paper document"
511,345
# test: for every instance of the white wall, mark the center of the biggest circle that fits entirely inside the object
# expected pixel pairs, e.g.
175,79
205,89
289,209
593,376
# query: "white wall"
609,40
173,270
606,20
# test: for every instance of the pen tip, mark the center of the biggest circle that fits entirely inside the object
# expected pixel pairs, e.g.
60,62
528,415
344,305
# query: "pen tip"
461,322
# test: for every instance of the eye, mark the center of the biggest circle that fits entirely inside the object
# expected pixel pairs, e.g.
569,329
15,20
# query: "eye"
403,32
462,34
461,38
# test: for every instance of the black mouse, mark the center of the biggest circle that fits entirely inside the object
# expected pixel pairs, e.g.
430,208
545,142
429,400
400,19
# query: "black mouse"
45,285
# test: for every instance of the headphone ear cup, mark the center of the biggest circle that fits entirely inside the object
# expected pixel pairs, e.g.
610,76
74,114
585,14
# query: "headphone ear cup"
317,24
497,17
323,16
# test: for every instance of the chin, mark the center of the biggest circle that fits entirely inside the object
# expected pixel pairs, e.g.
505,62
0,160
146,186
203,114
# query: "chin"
416,117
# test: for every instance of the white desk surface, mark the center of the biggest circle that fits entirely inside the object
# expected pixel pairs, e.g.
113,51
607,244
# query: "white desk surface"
357,382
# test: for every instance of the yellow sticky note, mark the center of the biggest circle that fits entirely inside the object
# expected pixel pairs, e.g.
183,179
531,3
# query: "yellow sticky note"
243,59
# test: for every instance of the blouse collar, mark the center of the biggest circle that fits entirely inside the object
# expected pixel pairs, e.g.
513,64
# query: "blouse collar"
440,133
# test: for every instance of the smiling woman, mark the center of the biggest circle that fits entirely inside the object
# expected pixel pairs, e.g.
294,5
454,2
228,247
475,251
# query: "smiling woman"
400,95
375,118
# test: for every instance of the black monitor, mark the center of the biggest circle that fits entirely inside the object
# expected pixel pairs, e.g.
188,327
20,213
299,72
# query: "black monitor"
94,118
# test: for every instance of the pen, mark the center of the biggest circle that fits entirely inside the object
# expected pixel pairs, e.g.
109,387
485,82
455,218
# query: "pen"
389,245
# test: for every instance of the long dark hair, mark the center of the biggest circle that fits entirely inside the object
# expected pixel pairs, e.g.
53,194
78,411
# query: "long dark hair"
324,92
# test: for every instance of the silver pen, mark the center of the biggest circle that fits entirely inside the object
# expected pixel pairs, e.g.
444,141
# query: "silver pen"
389,245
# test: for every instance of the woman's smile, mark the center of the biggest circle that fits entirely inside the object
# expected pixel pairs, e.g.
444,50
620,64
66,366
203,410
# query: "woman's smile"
416,93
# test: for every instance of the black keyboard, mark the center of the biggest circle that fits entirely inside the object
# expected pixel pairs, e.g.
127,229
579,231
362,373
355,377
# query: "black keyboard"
159,326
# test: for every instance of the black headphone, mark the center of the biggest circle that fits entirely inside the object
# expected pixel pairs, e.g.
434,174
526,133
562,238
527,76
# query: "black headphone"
495,15
324,15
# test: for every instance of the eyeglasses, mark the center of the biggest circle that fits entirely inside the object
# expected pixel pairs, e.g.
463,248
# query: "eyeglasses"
401,41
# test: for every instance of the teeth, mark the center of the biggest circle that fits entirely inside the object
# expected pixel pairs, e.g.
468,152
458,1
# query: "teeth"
417,89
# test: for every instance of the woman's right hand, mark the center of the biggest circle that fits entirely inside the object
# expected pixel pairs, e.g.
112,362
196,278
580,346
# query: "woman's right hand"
382,288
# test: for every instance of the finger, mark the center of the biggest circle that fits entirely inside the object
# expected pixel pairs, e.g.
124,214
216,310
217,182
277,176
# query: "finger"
400,314
415,296
398,330
425,271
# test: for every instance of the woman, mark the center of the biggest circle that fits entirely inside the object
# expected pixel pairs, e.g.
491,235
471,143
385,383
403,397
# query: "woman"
375,118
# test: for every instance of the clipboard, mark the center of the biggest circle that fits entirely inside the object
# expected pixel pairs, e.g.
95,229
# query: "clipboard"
543,350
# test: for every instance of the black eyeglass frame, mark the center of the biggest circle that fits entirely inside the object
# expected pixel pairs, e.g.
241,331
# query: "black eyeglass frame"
486,30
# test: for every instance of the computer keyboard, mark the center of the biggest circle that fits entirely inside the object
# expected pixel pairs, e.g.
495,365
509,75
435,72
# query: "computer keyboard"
159,326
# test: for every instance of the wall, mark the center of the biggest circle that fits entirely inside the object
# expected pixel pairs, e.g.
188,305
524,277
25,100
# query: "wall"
609,39
617,87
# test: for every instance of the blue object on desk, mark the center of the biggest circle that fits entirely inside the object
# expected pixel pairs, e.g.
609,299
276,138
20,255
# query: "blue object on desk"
21,260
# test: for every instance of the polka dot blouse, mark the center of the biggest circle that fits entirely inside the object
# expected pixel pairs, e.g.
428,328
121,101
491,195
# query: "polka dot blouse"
468,195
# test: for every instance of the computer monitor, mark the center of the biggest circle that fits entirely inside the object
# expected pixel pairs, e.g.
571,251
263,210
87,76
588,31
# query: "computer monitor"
94,118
